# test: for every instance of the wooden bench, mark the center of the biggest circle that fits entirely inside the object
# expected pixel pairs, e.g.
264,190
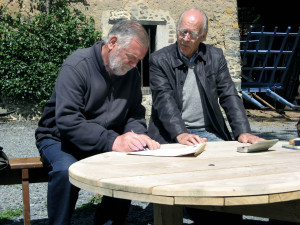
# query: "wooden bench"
24,171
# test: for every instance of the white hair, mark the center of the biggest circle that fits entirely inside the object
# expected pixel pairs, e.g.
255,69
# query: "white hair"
126,31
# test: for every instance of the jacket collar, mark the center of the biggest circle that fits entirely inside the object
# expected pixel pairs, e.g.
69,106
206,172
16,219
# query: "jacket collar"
177,56
98,55
187,59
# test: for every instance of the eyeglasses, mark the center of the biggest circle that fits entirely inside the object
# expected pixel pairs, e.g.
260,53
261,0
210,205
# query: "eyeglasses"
192,34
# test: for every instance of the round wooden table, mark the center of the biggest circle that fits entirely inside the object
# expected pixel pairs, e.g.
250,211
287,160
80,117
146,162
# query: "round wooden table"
263,184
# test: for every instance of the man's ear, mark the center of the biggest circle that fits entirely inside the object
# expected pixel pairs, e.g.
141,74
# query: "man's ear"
112,42
203,37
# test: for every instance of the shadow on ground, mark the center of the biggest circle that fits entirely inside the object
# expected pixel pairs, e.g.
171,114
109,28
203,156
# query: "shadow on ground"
137,216
84,215
276,135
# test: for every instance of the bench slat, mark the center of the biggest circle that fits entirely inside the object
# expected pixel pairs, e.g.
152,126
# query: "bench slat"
25,163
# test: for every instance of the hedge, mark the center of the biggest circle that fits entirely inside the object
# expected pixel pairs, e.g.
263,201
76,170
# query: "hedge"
32,49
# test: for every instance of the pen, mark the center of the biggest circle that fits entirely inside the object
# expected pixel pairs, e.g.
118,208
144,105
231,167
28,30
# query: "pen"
144,147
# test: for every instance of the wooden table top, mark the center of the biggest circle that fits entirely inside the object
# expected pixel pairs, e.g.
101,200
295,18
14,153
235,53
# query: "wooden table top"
220,176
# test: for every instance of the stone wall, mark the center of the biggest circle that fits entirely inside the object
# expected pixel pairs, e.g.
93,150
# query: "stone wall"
222,14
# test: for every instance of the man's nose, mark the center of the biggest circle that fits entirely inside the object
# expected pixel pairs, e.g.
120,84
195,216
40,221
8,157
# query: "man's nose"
187,37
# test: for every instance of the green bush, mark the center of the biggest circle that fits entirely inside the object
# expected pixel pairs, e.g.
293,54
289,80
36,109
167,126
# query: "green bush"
32,49
8,214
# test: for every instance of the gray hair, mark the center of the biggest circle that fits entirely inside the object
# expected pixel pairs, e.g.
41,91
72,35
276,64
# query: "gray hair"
127,30
205,26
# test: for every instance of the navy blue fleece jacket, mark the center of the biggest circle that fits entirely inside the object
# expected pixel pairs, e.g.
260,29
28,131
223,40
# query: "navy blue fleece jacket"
88,107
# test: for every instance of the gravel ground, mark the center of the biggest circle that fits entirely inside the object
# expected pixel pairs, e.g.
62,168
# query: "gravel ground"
17,139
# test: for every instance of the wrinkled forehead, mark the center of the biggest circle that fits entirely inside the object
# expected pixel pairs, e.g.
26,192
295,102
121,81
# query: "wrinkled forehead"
193,22
137,49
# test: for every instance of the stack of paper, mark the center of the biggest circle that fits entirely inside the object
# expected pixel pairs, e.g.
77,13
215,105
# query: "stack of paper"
194,150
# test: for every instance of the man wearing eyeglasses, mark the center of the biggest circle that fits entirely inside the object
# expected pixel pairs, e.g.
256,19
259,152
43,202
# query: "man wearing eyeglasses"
189,81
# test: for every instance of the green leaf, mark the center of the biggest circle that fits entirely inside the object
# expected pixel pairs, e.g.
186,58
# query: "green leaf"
32,49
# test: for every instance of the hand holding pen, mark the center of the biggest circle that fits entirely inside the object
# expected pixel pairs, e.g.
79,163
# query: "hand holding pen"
145,147
131,141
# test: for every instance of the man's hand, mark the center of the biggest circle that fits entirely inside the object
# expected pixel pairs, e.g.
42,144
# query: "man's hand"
190,139
130,142
249,138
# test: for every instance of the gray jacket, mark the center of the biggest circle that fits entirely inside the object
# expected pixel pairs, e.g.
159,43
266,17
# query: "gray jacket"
167,77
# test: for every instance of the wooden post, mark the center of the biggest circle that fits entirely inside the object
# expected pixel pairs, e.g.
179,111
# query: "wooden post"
272,107
26,200
167,214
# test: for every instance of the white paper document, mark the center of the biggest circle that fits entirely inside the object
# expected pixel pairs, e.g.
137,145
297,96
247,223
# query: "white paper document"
188,150
258,146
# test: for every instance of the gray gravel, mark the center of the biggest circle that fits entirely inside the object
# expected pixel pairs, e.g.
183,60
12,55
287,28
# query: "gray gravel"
17,139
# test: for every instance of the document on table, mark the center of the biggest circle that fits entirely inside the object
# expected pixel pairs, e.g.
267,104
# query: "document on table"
188,150
258,146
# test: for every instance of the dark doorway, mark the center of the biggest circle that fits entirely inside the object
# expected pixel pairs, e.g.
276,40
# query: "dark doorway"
143,65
